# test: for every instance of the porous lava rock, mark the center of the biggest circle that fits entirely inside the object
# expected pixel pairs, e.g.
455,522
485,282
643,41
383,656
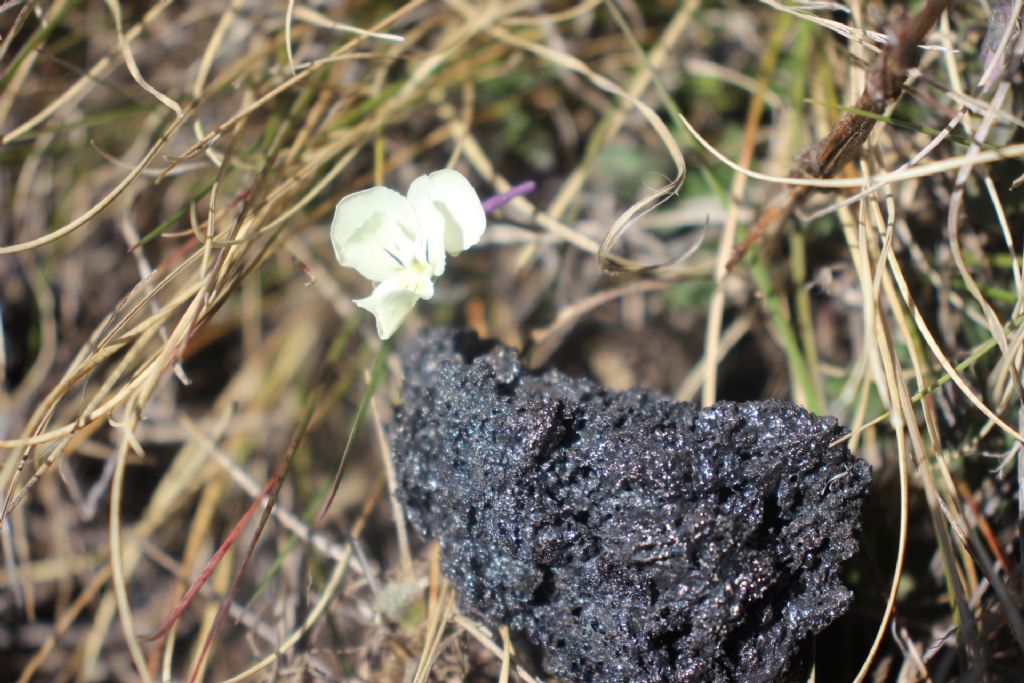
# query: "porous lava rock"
630,537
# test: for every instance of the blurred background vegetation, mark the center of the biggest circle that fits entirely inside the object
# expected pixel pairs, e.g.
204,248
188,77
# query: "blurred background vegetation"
178,342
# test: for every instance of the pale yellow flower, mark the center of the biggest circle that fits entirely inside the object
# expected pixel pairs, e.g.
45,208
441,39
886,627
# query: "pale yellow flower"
400,242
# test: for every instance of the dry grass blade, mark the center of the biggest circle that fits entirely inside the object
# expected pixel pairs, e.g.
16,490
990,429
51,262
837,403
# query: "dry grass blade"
103,203
204,575
133,68
713,330
71,95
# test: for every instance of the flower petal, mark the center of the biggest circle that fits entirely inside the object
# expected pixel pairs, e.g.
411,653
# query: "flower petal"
374,231
448,193
392,300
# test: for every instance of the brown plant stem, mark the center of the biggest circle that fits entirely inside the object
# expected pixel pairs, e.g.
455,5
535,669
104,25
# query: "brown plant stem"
883,86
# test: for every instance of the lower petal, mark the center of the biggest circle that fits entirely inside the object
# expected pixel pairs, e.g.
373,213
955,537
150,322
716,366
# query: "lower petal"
389,303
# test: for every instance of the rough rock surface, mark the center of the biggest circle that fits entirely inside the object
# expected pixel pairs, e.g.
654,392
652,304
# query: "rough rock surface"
632,538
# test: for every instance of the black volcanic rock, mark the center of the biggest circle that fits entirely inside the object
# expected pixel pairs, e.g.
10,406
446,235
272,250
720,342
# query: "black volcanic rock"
632,538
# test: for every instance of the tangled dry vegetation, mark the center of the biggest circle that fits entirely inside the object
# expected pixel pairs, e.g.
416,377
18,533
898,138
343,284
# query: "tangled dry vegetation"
179,346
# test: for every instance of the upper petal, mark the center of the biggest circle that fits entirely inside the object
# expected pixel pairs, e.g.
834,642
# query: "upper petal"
374,231
447,193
